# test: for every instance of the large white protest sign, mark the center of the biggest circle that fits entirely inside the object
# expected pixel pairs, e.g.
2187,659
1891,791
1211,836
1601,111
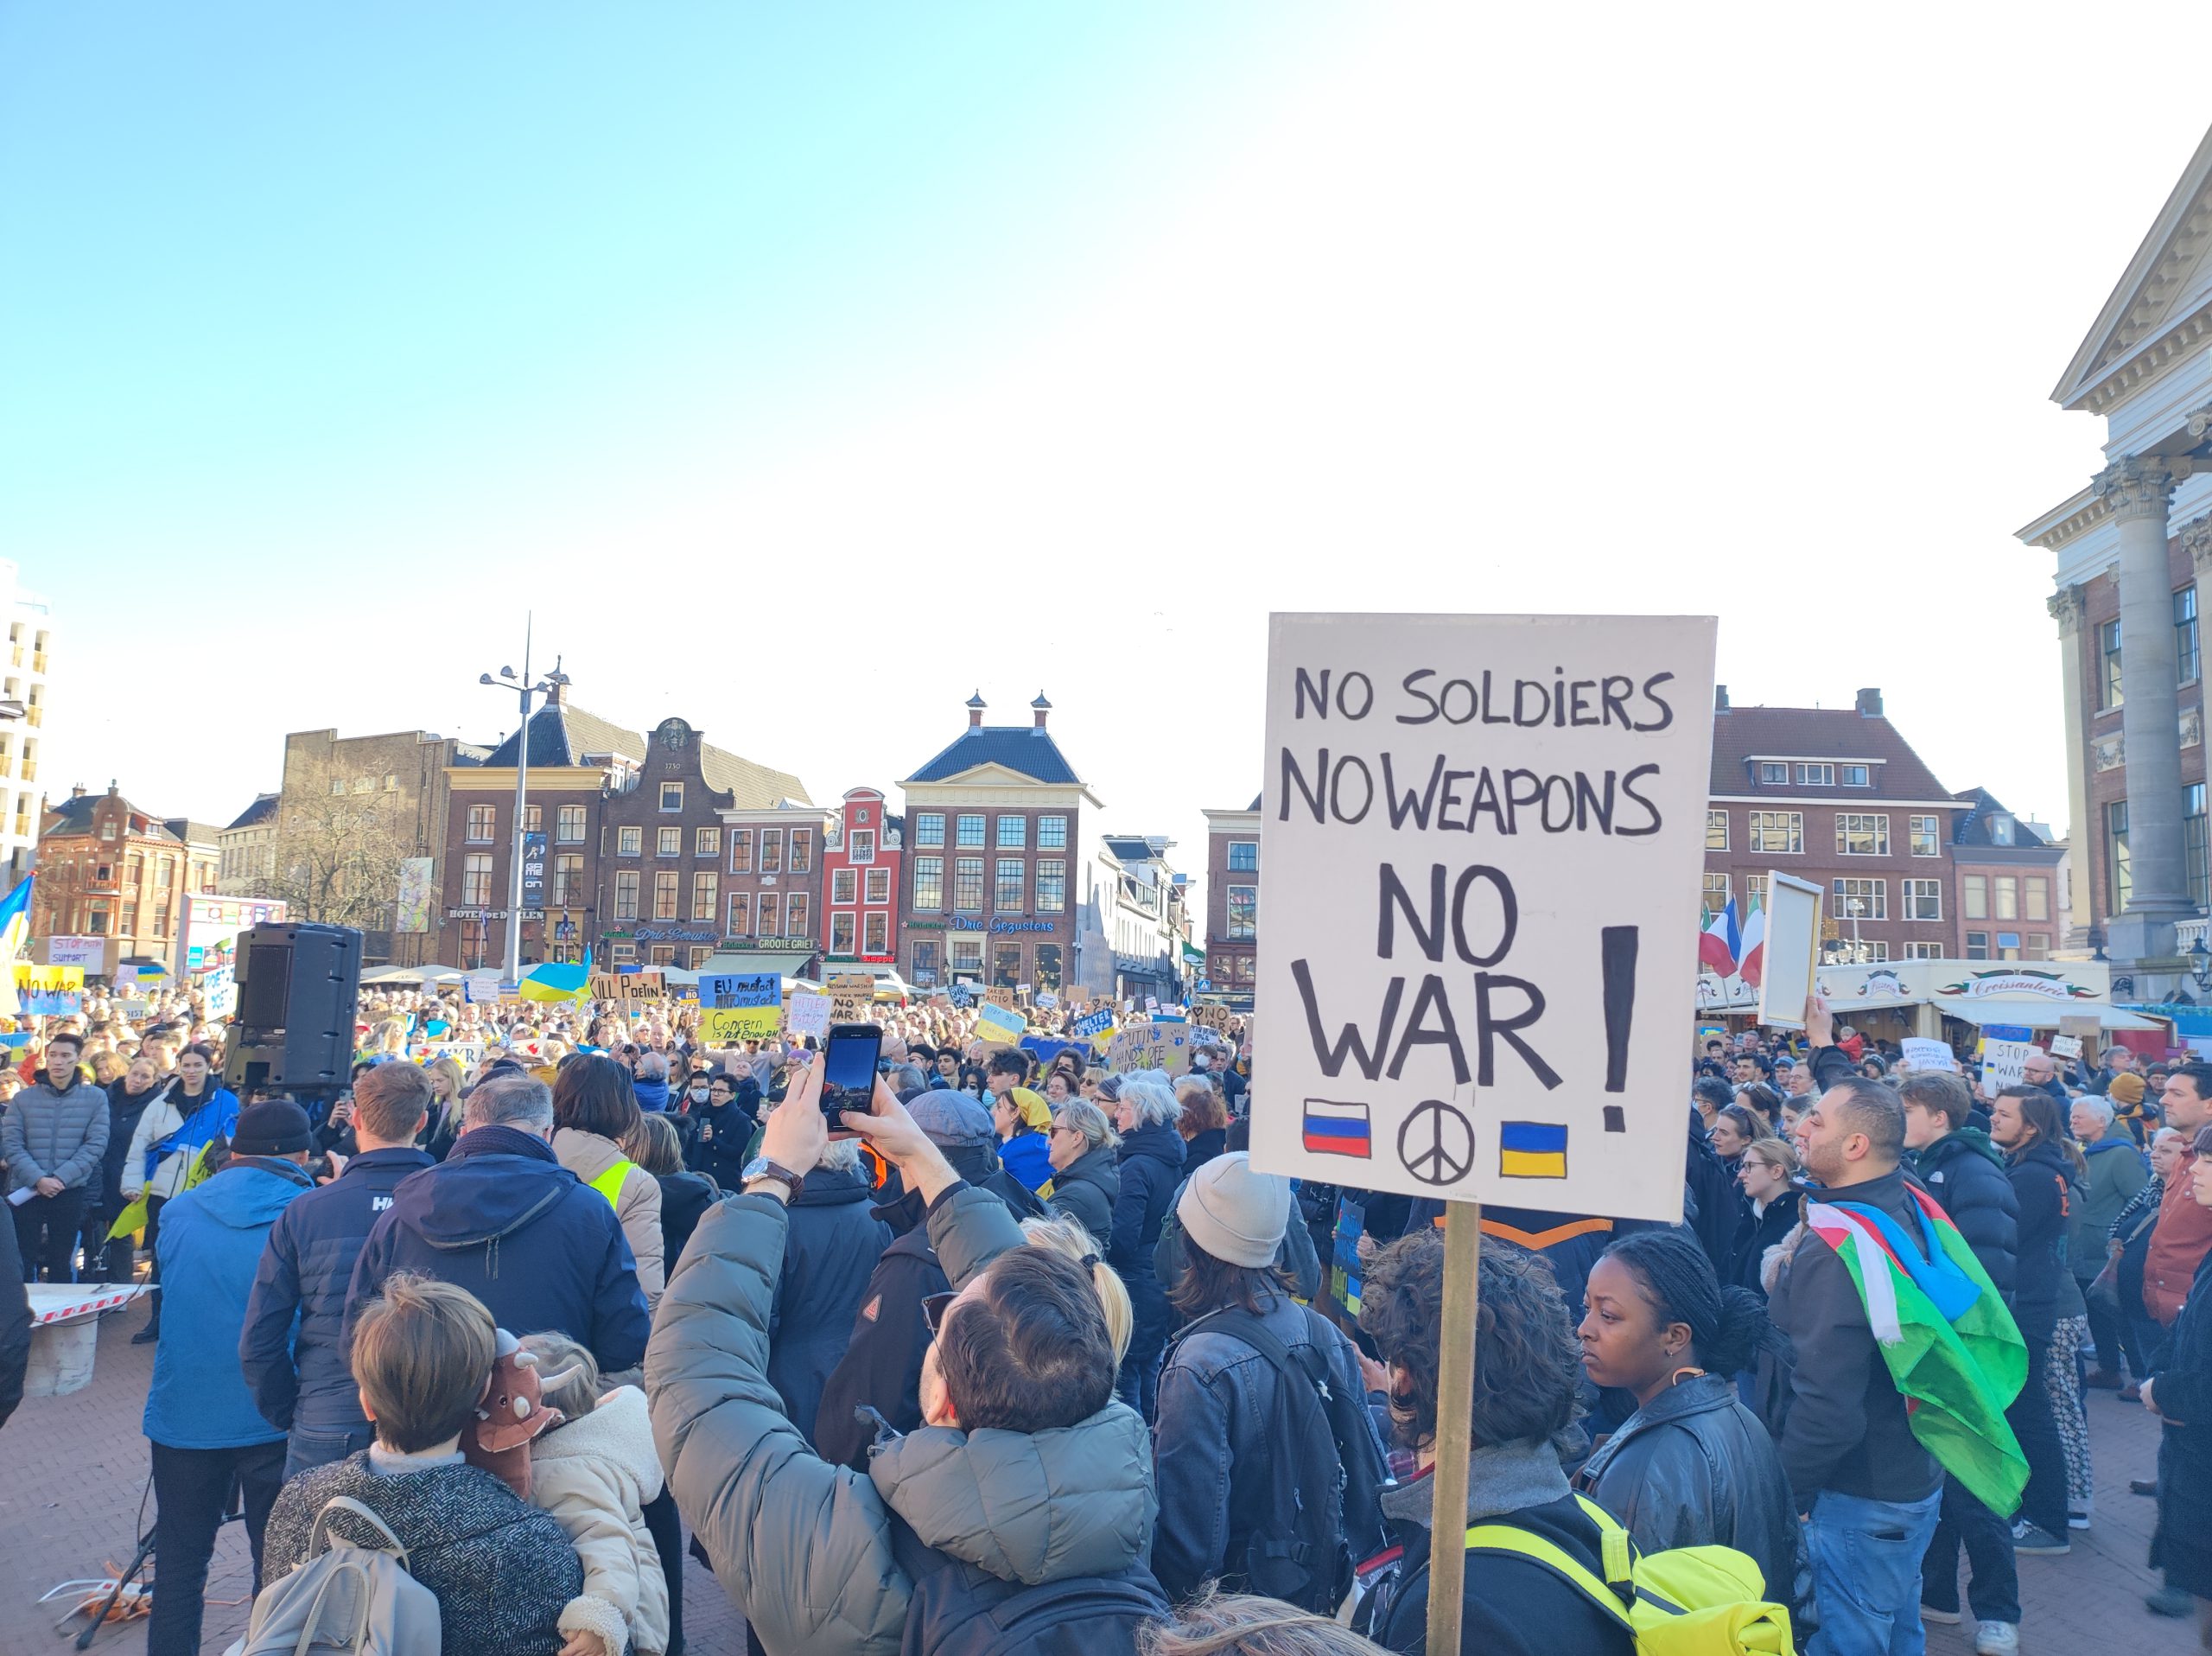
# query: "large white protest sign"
1485,834
1918,1052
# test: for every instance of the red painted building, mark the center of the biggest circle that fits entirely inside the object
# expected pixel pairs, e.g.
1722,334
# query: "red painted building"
862,892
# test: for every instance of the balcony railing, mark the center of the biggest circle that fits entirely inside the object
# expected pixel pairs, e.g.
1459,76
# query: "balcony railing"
2189,932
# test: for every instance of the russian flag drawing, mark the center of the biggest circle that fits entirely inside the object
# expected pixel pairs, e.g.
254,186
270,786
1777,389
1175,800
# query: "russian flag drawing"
1337,1129
1531,1149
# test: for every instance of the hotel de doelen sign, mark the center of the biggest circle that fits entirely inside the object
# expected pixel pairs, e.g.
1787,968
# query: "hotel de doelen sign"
1484,833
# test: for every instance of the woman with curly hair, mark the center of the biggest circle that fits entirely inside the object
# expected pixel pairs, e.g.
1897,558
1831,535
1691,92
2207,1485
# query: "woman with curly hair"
1527,1367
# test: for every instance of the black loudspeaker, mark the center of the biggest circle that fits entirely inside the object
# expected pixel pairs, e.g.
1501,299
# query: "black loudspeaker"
298,987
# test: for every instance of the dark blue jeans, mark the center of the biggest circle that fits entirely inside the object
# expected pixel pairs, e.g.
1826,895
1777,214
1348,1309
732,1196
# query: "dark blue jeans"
1866,1559
308,1448
1993,1573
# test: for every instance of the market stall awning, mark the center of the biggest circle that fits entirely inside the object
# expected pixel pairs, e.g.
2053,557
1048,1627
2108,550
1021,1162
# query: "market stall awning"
2038,1014
786,964
432,973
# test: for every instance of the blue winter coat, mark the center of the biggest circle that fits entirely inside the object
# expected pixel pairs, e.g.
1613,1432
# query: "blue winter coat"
293,1348
502,1218
210,1245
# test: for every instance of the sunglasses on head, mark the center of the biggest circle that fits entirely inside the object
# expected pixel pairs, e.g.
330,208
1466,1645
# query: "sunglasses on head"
934,1307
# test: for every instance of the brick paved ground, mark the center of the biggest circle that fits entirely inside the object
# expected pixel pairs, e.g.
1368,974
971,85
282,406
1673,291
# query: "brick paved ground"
72,1470
75,1468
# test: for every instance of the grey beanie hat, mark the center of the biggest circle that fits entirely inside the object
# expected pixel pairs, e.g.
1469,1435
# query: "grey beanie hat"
1237,1215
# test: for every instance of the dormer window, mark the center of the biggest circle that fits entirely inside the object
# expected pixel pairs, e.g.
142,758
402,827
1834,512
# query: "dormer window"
1817,775
1773,772
2001,830
1858,775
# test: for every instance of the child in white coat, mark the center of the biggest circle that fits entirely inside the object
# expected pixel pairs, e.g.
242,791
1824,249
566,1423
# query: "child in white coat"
594,1474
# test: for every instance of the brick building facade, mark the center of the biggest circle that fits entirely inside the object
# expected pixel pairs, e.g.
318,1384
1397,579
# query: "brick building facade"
863,882
1835,796
107,868
1232,904
997,840
772,886
2008,880
662,871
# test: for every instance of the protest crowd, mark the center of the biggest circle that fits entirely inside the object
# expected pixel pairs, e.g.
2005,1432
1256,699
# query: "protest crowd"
1029,1357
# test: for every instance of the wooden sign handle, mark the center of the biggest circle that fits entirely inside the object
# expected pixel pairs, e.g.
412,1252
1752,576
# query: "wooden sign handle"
1455,1404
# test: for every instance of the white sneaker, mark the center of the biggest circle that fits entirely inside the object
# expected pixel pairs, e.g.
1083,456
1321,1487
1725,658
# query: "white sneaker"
1997,1639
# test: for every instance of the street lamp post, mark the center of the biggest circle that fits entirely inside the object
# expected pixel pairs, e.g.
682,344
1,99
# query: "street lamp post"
524,689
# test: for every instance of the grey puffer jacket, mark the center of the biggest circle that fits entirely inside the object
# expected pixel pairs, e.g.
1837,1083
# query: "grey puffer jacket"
48,1134
816,1555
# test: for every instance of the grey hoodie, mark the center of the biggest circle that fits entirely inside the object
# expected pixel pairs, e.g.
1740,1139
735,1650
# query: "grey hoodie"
806,1548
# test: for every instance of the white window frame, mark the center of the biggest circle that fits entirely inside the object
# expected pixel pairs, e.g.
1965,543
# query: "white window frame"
1716,819
875,890
1773,772
665,804
1864,779
1913,898
1877,895
1815,774
1875,825
630,842
1791,826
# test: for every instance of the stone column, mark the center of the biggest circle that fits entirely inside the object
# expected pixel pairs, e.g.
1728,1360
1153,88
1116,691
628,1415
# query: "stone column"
2139,490
2068,608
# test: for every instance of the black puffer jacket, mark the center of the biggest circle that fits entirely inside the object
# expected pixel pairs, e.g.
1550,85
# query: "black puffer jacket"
1087,1190
833,1243
1695,1467
1967,1176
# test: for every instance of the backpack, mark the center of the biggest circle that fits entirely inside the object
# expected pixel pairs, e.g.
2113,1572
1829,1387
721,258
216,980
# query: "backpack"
1298,1553
1684,1601
963,1610
359,1600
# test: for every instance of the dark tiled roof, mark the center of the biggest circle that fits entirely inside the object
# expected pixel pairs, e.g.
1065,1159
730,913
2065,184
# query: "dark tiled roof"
1971,829
1255,805
470,753
563,735
263,809
76,818
750,787
1743,734
185,829
1028,749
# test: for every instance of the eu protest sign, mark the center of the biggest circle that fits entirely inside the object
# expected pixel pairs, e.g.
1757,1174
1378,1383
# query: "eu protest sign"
1485,834
739,1006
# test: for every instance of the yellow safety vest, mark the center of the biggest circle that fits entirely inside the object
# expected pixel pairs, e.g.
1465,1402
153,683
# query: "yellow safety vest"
609,1184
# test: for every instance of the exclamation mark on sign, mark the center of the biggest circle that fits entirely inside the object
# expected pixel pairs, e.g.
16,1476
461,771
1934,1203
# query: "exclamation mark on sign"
1617,963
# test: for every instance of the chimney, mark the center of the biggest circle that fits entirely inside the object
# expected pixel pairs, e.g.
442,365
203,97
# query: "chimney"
975,705
1040,707
111,789
1720,698
76,790
1869,703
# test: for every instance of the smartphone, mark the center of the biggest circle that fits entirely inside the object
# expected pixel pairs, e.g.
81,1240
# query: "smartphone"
848,1069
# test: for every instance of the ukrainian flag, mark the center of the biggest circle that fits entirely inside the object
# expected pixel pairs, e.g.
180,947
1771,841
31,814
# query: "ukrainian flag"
1532,1150
556,982
15,919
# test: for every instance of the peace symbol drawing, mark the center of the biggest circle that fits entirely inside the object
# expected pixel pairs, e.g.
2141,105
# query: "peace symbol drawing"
1437,1144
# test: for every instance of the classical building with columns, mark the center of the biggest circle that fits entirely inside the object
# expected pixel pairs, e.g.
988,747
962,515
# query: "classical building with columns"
2131,546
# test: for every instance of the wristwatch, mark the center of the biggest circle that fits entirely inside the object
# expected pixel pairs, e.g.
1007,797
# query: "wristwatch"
761,1168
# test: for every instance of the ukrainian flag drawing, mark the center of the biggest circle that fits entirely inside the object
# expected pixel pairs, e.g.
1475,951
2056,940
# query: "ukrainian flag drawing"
1532,1150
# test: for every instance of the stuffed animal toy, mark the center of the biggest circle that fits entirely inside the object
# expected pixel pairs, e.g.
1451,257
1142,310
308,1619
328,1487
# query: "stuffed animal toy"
509,1415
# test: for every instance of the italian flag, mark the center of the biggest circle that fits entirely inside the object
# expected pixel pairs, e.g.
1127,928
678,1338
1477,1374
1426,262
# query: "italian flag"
1953,1349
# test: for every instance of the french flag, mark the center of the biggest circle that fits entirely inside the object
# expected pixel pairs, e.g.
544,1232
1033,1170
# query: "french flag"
1337,1129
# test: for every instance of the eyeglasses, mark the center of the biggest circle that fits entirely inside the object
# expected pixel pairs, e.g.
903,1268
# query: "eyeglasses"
934,1307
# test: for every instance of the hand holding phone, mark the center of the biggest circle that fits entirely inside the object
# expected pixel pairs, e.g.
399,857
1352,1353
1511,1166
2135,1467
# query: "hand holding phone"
848,1073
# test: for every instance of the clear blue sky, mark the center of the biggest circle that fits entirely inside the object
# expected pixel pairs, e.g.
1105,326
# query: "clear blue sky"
806,368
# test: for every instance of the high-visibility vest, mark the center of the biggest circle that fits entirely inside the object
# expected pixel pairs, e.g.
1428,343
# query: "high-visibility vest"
609,1184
